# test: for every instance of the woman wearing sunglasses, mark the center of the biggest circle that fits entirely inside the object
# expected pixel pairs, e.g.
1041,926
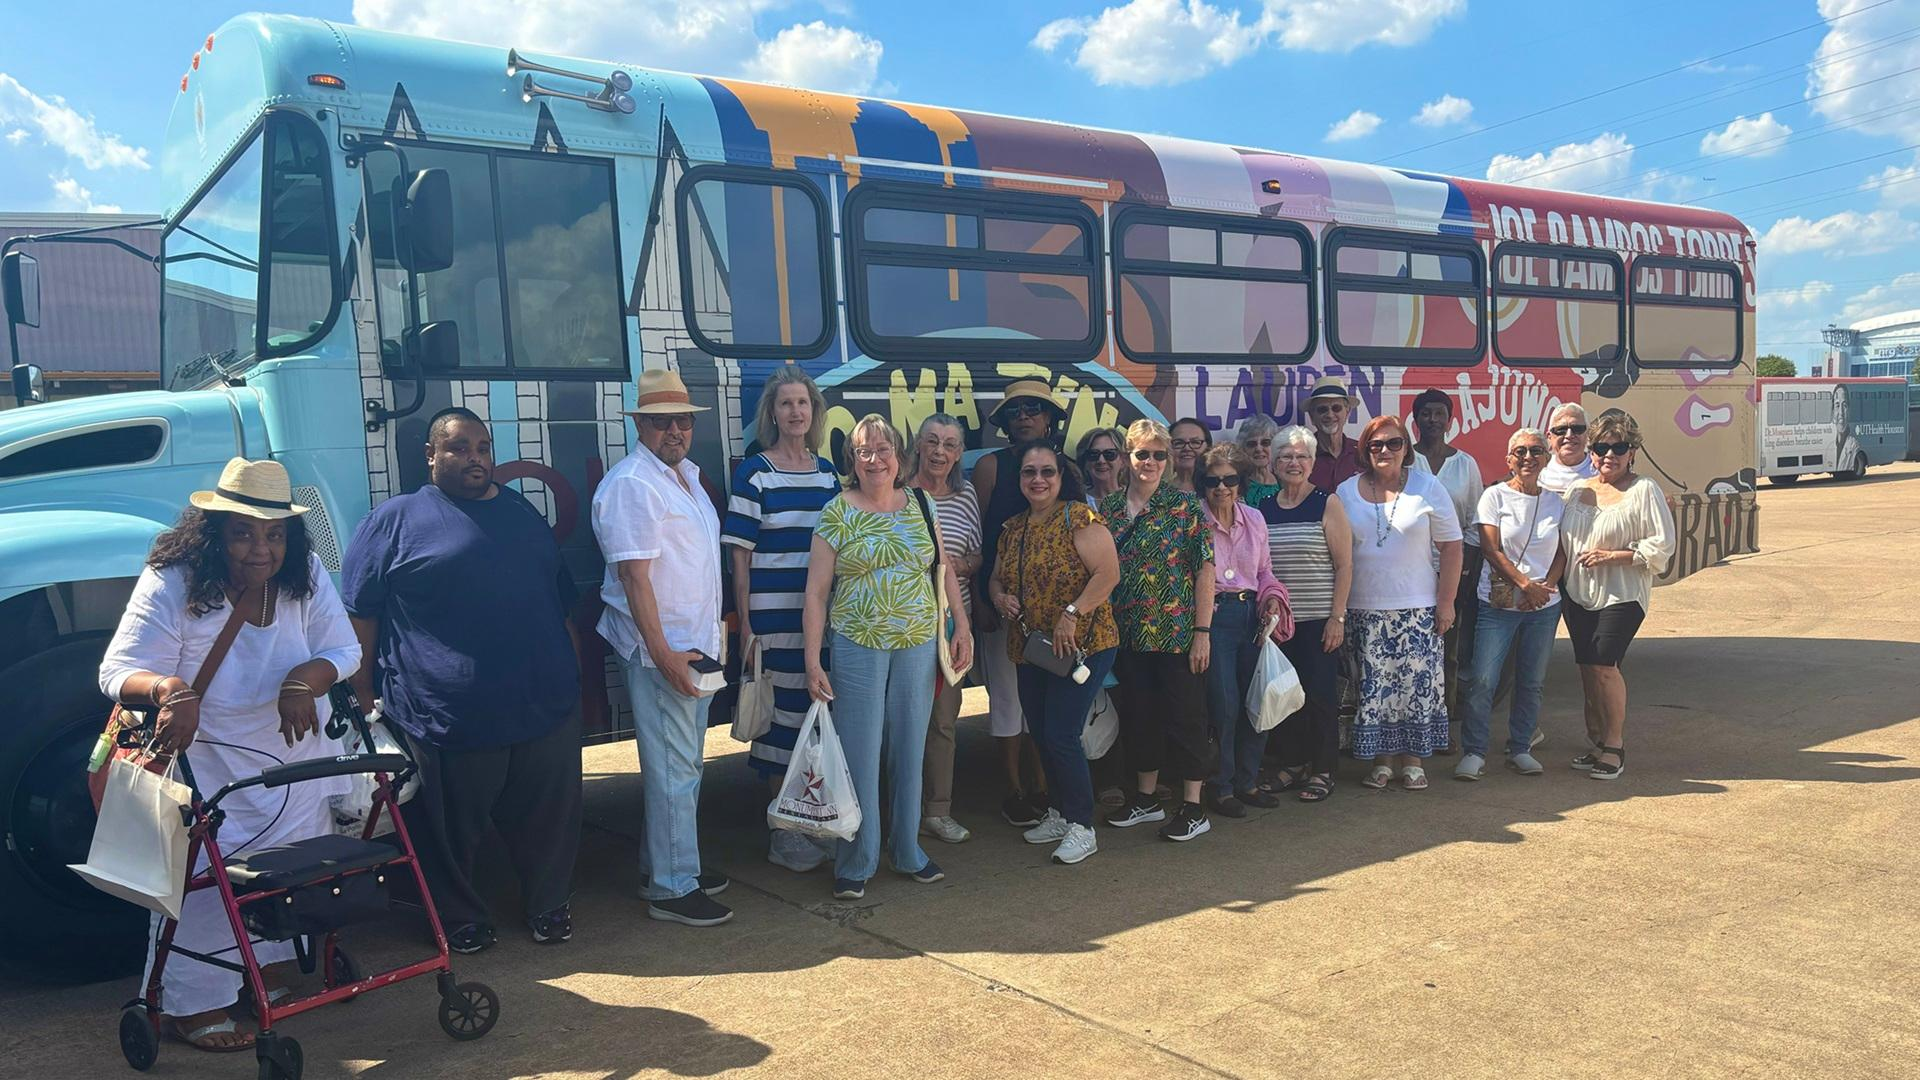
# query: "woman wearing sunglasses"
1245,596
1618,536
1518,605
1256,441
1164,605
1102,462
1400,605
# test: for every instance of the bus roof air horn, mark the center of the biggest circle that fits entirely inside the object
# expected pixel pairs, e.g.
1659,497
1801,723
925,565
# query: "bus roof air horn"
613,95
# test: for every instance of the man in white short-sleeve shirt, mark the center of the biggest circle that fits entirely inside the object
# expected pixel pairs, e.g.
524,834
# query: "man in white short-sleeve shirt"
660,536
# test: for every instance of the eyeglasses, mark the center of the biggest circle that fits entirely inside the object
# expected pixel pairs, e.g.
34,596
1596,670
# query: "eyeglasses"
1189,444
683,421
1039,472
873,453
1569,430
1295,455
1149,455
1325,407
1528,451
1387,446
951,446
1208,483
1020,410
1602,449
1257,444
1101,455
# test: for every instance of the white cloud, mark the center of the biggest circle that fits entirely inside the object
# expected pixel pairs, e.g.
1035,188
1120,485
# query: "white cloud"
819,57
62,126
18,136
1572,166
1882,65
1848,232
1897,185
1152,42
1446,110
1794,296
1762,136
68,194
1901,293
709,36
1343,25
1358,125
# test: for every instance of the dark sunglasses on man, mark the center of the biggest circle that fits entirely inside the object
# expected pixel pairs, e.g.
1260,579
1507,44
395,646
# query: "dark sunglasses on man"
1567,431
1208,483
668,421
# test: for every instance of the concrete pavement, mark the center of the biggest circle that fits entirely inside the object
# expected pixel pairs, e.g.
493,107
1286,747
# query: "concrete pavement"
1739,902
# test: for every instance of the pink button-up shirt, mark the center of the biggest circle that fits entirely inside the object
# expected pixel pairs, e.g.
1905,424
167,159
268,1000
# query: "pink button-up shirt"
1242,560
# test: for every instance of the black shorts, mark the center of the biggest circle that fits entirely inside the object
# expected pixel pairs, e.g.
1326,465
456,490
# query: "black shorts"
1600,637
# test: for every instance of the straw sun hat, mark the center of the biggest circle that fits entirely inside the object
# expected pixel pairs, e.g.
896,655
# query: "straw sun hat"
258,489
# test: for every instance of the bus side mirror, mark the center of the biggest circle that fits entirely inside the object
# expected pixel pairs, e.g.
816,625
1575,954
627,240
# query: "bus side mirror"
426,222
434,348
20,281
29,388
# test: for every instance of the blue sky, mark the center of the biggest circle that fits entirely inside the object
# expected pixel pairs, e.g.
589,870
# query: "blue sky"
1800,117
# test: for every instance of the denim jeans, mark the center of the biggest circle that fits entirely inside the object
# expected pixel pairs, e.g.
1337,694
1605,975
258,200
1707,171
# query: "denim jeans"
882,702
671,731
1529,635
1056,709
1235,651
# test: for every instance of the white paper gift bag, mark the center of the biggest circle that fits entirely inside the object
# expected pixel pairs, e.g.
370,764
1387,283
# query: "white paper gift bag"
139,851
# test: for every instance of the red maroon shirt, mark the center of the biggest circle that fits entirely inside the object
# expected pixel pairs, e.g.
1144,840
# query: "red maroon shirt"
1332,470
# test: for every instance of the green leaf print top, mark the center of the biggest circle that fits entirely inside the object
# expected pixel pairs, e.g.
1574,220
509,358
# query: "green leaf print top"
882,590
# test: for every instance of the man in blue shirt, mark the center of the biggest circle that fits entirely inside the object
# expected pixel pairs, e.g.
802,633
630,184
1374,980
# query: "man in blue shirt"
458,592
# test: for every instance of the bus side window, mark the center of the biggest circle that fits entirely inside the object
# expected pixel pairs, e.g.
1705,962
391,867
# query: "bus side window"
754,258
1405,298
1686,313
1198,288
1558,306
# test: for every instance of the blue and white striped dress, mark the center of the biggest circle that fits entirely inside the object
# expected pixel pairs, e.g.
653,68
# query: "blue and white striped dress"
772,513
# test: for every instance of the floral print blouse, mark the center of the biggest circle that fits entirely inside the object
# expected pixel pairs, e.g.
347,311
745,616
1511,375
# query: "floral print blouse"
1053,576
1160,552
882,588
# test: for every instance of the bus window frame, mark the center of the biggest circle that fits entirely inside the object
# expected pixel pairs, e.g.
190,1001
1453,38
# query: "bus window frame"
1525,249
1733,304
1218,224
1410,243
514,372
980,203
263,128
683,196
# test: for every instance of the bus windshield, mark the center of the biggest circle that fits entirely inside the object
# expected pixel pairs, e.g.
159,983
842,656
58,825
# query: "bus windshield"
215,291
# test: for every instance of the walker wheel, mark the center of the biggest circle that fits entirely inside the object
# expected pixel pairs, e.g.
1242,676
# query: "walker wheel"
280,1058
342,971
138,1039
470,1011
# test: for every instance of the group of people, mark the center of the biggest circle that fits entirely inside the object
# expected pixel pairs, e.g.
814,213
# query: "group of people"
1146,566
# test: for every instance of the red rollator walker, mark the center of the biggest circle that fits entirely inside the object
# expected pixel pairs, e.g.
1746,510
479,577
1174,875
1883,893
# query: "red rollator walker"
305,891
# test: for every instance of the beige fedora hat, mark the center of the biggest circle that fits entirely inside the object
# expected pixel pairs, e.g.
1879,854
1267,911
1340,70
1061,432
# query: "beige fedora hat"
1332,386
257,489
662,391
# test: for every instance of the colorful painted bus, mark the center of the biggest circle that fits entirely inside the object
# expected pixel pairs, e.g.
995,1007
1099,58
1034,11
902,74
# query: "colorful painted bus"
366,227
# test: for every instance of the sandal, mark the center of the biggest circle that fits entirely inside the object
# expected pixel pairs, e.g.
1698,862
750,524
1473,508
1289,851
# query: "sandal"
1285,779
1380,777
1602,770
201,1038
1318,787
1413,778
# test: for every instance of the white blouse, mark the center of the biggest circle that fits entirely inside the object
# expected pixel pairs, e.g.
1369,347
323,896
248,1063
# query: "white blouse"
1393,543
240,714
1640,522
1460,475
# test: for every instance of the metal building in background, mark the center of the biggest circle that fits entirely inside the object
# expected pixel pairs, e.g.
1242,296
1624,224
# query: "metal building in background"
100,308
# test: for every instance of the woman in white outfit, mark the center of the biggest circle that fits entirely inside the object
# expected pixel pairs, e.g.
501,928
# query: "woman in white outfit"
240,551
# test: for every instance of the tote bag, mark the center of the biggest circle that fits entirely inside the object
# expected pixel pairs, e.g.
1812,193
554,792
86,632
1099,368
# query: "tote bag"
817,796
139,851
753,710
1103,727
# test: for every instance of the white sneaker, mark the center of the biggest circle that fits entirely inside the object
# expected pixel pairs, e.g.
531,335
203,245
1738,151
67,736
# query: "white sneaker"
1525,764
944,828
1471,767
795,851
1052,829
1539,737
1079,844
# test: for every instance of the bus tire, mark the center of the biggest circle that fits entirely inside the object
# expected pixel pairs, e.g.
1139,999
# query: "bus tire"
53,926
1784,479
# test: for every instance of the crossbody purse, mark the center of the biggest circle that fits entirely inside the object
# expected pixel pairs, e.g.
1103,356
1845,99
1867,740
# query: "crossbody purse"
1502,593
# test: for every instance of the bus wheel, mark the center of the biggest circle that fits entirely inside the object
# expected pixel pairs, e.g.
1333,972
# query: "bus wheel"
53,926
1859,470
1785,479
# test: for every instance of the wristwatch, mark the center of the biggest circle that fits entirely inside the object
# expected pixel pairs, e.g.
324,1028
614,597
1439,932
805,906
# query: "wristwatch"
1071,610
1341,618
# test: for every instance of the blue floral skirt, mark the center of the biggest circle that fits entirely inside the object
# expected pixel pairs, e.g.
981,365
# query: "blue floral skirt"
1403,700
